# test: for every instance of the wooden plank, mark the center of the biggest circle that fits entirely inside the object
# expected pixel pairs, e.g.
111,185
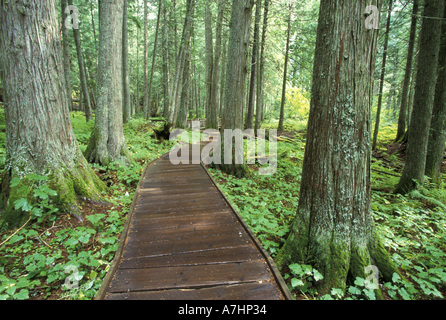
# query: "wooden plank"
265,290
140,248
128,280
212,256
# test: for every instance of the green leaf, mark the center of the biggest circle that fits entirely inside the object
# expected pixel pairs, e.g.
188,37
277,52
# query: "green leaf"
22,295
296,282
317,275
23,204
354,290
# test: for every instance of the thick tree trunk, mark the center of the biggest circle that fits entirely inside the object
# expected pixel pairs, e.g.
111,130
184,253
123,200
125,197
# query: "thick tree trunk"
334,229
285,71
404,106
236,76
383,73
427,72
437,134
39,135
107,142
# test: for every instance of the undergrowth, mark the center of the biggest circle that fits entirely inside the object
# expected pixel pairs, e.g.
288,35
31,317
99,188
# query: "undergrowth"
54,256
412,227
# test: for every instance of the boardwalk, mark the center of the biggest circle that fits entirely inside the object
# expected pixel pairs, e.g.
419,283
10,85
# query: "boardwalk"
183,240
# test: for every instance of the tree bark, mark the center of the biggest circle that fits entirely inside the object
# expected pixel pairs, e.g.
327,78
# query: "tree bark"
427,72
107,142
236,76
39,135
285,70
334,229
383,73
437,134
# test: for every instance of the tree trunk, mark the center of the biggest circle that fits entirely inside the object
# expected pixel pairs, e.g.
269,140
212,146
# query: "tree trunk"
126,109
107,142
181,61
259,95
383,72
149,111
437,134
209,60
66,55
145,105
165,65
406,85
285,70
334,229
254,60
212,121
39,135
236,76
82,74
418,134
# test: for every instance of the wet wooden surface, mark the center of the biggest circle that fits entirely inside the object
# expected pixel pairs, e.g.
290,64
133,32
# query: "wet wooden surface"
183,240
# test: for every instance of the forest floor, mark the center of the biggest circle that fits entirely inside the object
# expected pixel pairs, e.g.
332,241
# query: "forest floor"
58,257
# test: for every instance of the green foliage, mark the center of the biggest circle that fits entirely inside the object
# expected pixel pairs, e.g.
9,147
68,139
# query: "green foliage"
38,260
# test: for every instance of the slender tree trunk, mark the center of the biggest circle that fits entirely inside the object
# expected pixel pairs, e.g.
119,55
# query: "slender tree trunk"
181,61
427,73
126,109
147,112
146,80
166,99
66,55
82,74
285,70
259,96
209,60
406,85
437,134
383,72
39,135
334,229
254,60
107,142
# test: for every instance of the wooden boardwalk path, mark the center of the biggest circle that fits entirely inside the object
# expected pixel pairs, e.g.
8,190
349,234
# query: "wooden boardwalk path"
183,240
